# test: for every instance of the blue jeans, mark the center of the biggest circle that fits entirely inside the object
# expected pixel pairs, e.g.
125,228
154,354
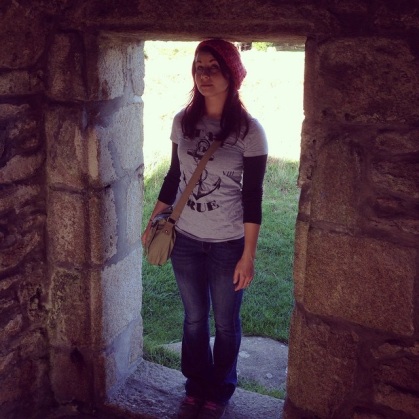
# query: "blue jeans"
204,274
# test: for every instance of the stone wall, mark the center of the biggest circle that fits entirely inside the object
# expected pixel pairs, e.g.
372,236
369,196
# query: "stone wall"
71,191
93,124
24,284
354,331
71,80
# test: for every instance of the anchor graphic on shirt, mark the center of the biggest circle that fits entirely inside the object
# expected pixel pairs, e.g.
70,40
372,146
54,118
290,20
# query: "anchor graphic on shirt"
202,146
204,186
204,189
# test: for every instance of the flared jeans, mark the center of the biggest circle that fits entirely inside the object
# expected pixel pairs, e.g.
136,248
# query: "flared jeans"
204,274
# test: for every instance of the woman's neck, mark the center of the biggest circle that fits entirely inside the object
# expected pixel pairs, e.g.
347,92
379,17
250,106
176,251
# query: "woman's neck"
214,107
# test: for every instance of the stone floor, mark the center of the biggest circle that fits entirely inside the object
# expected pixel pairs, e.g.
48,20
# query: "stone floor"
154,391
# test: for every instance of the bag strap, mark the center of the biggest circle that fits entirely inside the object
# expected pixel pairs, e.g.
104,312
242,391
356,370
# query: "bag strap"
177,210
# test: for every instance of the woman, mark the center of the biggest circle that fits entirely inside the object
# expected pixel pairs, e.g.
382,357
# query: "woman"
213,257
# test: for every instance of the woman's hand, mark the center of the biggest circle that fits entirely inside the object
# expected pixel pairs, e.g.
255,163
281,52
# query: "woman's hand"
245,268
244,272
145,234
158,208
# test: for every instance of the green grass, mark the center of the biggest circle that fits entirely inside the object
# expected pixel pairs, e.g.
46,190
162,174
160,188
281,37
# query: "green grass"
267,304
249,385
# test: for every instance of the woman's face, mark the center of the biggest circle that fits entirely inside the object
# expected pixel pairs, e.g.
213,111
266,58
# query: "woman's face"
208,76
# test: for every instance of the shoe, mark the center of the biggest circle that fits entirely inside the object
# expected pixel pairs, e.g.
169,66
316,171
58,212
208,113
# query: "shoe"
211,410
189,408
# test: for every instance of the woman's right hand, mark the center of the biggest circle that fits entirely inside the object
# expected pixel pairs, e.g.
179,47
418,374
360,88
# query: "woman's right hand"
159,207
145,234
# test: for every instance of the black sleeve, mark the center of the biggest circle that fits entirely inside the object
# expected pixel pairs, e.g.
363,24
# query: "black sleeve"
171,181
253,173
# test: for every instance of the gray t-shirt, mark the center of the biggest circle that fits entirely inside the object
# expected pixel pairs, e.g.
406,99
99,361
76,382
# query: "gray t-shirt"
214,211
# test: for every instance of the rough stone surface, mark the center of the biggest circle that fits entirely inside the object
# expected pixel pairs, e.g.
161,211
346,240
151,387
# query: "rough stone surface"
155,20
65,148
390,17
33,293
397,142
22,237
23,388
23,278
136,342
300,256
76,382
68,315
336,184
399,176
18,196
136,67
371,282
101,165
318,351
24,35
117,283
66,62
8,111
124,129
155,392
11,328
386,66
107,61
20,83
122,282
396,384
21,167
134,211
120,359
66,228
103,221
397,400
365,415
395,215
388,350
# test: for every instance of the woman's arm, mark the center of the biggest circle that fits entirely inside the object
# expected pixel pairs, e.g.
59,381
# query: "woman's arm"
168,190
245,268
253,173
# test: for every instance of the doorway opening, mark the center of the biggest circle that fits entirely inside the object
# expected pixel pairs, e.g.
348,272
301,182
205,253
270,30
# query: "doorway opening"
273,93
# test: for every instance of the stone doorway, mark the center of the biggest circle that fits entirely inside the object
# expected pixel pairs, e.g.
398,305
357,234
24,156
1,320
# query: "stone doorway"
103,158
273,93
68,90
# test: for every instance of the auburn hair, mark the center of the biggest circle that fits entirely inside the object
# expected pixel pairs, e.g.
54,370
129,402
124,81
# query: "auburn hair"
234,116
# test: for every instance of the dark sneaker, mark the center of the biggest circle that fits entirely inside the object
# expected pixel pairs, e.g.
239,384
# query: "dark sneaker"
211,410
189,408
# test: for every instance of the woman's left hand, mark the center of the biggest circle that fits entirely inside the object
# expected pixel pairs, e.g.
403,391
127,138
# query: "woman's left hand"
244,272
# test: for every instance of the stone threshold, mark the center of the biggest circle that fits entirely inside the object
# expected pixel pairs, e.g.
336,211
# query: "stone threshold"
154,392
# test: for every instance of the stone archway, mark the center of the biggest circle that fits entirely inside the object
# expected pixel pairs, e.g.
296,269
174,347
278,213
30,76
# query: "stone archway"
94,230
67,94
